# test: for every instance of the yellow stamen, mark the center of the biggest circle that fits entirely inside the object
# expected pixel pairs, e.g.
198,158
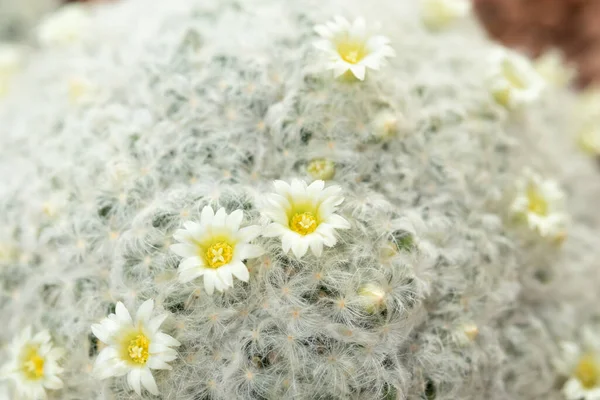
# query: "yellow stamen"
138,349
303,223
219,254
588,371
537,204
33,364
352,52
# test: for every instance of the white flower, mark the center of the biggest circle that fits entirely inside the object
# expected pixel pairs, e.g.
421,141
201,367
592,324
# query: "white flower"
513,80
33,364
134,347
68,25
11,58
304,216
215,248
351,48
541,204
553,68
439,14
581,363
321,168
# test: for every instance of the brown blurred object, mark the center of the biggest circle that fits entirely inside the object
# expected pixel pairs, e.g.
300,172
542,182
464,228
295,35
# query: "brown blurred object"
535,26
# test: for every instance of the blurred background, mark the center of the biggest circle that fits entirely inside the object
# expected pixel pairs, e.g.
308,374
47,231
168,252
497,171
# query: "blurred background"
531,26
535,26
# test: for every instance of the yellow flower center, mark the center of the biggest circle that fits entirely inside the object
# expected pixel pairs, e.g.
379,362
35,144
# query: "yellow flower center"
219,254
303,223
33,364
537,204
588,371
352,52
138,349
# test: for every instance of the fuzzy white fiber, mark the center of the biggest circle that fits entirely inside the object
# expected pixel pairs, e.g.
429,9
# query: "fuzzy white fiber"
108,145
17,17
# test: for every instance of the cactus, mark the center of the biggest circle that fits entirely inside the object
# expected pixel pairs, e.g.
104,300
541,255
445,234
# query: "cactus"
461,248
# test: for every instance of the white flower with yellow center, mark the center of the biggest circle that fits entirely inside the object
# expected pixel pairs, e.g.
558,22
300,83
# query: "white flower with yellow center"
541,204
581,363
304,216
216,249
554,69
513,80
134,346
351,48
68,25
438,14
33,364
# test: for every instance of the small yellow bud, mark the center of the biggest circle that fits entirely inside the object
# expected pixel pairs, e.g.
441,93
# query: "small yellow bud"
321,168
372,297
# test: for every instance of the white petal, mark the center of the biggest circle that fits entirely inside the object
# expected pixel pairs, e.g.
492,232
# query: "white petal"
249,233
148,381
167,339
316,245
209,283
240,271
190,274
183,235
225,276
101,333
287,240
298,188
247,251
219,219
157,363
108,353
359,29
282,187
53,382
133,379
323,31
219,284
191,262
184,250
144,312
42,337
207,215
122,313
359,71
56,353
315,188
156,322
194,229
234,220
338,222
340,67
300,247
274,230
